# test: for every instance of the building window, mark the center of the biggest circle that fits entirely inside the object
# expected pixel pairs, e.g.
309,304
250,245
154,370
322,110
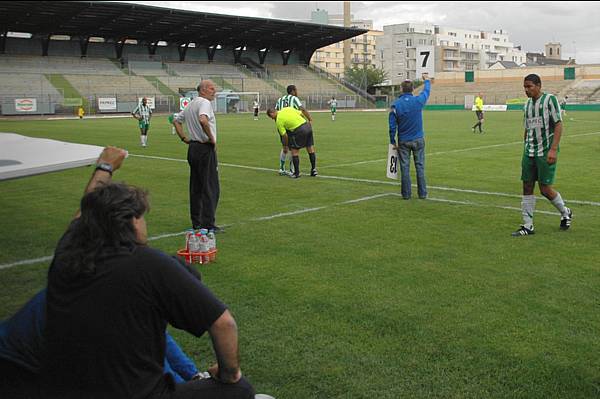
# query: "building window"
550,50
409,42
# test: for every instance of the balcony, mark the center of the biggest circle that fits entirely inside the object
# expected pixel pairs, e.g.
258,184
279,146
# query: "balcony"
451,57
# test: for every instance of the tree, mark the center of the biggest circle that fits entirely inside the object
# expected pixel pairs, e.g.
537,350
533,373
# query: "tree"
365,78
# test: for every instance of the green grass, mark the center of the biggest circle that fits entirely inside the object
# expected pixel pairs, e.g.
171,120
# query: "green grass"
378,298
59,82
164,89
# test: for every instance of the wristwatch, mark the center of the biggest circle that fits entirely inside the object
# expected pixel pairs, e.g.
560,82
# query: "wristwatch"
105,167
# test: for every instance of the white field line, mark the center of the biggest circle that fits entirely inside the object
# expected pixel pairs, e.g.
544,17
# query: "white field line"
385,182
450,152
293,213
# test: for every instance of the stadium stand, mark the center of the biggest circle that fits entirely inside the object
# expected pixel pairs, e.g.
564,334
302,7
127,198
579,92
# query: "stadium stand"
123,86
304,79
147,68
14,85
57,65
584,91
494,92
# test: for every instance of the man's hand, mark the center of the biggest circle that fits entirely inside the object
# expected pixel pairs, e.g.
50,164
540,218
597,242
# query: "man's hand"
113,156
226,378
551,159
425,76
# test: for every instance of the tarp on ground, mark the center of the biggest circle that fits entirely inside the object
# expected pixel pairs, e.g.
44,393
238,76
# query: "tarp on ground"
22,156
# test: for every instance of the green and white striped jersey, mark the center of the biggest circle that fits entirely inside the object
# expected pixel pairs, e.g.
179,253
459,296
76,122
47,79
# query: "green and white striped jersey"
540,119
288,101
144,111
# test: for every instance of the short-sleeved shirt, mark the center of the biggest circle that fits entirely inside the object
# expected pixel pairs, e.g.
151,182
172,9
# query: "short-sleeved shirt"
105,333
255,104
144,111
333,104
191,116
289,119
288,101
540,119
478,104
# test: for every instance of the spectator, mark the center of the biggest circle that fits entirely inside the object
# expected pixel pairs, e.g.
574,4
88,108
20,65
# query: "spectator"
109,300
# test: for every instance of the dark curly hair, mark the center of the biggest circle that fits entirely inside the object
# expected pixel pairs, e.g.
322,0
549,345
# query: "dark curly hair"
105,226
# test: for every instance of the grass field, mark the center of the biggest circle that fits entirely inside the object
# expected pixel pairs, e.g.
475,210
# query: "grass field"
340,288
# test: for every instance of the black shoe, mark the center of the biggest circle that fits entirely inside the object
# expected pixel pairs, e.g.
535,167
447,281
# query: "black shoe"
565,222
314,172
216,229
523,231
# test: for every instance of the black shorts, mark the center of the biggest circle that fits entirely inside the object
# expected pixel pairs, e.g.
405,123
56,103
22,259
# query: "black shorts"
301,137
255,111
479,115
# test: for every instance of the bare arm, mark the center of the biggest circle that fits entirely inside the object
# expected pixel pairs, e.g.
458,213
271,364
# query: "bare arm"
180,133
285,141
306,115
206,128
114,157
223,333
555,142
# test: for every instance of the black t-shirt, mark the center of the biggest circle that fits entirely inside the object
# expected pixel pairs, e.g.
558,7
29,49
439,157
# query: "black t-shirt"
106,333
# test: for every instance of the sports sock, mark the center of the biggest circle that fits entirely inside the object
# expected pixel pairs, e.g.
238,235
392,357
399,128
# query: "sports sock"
313,160
142,139
527,210
560,205
296,161
282,157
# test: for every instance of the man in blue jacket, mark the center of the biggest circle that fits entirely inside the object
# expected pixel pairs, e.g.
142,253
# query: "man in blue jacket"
406,117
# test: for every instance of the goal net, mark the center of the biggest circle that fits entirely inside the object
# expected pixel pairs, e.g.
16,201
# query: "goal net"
231,102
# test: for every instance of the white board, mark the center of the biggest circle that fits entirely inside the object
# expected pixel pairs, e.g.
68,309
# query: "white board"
22,156
425,61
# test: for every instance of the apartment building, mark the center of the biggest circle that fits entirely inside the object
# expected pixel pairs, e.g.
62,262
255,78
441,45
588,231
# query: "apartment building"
362,48
402,48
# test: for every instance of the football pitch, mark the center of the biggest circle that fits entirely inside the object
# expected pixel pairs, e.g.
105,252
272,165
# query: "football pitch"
340,288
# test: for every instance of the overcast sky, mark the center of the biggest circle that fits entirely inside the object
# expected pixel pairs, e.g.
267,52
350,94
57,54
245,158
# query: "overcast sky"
530,24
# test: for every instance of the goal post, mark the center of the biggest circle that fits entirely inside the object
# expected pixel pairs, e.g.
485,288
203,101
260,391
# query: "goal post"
231,102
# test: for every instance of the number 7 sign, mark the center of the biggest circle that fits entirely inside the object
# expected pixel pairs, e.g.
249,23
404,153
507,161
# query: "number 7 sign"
425,61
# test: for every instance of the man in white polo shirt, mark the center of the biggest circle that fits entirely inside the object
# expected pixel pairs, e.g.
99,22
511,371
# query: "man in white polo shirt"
202,156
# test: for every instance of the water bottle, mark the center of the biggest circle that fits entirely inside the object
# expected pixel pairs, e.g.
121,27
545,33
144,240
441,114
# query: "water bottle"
212,240
188,234
194,243
204,244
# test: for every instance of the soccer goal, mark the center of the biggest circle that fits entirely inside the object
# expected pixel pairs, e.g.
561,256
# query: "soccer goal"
231,102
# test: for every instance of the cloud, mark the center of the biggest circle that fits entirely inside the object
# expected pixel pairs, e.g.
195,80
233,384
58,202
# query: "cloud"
530,24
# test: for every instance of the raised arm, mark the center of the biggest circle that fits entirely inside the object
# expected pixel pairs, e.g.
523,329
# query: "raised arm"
109,161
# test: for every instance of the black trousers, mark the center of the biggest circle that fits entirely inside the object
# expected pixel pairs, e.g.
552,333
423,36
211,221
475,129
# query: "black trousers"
17,382
208,389
204,184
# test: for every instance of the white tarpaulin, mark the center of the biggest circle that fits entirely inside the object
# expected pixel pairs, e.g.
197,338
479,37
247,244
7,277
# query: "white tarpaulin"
24,156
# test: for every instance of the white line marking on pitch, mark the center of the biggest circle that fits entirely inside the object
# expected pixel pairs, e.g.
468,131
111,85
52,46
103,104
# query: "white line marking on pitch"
450,152
293,213
385,182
